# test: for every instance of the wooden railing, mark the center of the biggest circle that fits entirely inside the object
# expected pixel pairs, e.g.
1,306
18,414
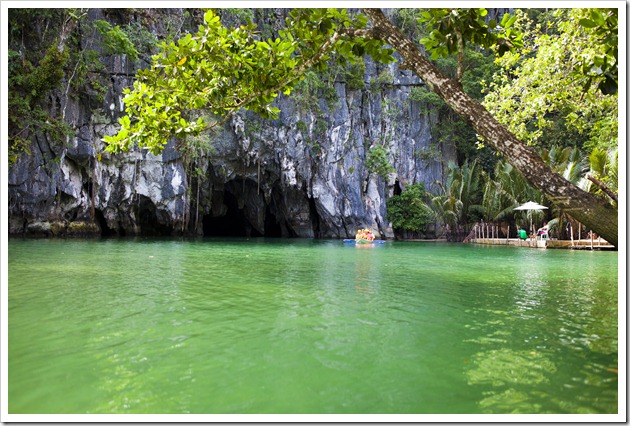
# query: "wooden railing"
485,230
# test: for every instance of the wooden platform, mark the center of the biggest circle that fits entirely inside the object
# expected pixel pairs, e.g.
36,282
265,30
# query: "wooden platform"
596,244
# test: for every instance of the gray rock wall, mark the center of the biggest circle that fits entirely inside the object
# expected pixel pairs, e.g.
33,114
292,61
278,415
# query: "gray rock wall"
293,177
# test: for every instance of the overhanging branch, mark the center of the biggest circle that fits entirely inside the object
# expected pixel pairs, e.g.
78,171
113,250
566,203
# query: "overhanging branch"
299,70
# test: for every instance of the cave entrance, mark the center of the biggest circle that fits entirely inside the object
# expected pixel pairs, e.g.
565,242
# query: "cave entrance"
99,218
147,215
232,224
397,188
272,227
235,222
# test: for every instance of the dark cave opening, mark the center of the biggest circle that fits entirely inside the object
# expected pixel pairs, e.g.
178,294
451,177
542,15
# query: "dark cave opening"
272,227
148,220
234,222
106,231
397,188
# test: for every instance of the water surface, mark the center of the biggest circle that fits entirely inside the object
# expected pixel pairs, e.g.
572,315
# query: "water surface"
308,326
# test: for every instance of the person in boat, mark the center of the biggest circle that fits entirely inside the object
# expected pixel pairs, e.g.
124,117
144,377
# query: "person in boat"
365,234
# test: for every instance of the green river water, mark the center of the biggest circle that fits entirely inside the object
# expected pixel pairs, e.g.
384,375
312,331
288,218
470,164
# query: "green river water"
308,326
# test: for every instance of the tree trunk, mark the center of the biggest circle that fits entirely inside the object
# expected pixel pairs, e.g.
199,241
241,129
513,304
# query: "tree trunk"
583,206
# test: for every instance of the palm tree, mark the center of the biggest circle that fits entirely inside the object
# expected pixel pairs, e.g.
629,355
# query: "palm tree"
458,202
604,172
504,190
571,163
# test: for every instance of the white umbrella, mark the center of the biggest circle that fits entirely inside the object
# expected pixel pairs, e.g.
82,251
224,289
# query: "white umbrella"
530,205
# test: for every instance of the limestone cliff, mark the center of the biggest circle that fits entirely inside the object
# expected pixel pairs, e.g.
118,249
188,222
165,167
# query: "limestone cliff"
302,175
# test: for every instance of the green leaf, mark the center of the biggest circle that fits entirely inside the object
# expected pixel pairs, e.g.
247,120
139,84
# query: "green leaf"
597,17
510,21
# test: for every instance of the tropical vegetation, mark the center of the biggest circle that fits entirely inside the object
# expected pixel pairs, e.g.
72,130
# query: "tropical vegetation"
571,122
520,134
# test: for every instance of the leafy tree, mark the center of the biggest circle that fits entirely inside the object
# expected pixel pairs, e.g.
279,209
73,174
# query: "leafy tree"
450,30
410,211
588,209
505,189
570,162
498,200
603,27
222,70
604,173
115,40
565,109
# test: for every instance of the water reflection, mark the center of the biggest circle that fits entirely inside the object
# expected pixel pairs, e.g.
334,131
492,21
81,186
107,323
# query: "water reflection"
536,349
510,372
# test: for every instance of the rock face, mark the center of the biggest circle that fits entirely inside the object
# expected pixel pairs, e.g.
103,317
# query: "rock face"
303,175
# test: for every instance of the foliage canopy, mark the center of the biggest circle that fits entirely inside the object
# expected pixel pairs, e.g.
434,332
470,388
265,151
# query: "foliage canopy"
545,111
220,70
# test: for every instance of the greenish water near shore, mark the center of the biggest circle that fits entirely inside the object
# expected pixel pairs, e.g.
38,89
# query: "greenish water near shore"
309,326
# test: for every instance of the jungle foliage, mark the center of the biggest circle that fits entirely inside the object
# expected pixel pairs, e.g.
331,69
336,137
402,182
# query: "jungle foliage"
571,119
197,80
545,94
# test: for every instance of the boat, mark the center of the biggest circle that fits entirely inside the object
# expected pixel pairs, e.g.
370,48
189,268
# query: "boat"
364,236
362,241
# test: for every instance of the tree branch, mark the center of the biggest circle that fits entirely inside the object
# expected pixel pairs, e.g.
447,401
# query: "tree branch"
460,56
298,71
603,187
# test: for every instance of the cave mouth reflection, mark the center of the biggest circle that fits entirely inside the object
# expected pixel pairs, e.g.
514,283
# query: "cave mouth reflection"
235,222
